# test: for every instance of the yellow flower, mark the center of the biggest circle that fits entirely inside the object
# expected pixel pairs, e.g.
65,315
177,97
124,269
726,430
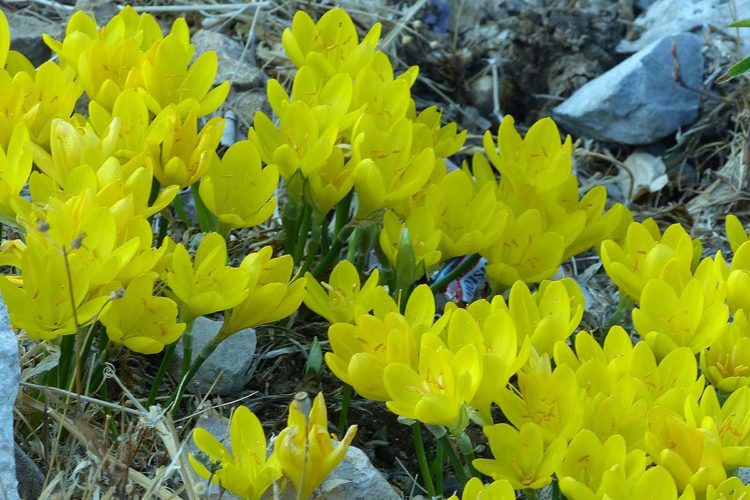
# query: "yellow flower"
331,182
331,45
497,490
298,143
142,322
207,284
521,457
272,295
588,460
362,351
655,483
391,164
437,393
552,400
469,217
495,339
238,190
726,363
181,154
690,455
668,383
244,471
424,236
736,233
526,251
305,450
15,167
343,299
549,315
40,303
669,318
646,254
730,489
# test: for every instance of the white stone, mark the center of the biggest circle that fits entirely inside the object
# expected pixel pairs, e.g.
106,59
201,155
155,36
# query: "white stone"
670,17
10,371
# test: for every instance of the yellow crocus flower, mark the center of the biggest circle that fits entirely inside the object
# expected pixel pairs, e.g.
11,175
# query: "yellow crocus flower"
238,190
438,391
343,299
140,321
40,302
272,295
205,284
521,457
305,450
15,168
245,470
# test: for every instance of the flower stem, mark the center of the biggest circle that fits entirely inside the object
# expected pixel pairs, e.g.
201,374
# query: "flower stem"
424,467
623,306
437,466
458,467
458,271
207,350
341,217
530,494
304,228
344,415
187,348
156,384
206,219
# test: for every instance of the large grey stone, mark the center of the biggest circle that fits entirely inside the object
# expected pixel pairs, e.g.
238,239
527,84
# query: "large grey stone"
30,477
26,30
639,101
232,359
10,371
671,17
235,63
357,479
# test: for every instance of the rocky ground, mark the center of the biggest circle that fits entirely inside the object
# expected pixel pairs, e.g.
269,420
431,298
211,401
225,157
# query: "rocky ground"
633,81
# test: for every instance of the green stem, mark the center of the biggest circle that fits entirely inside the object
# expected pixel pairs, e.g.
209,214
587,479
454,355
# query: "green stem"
530,494
344,415
341,217
623,306
206,219
207,350
458,467
163,225
156,384
187,348
351,251
304,228
459,270
437,466
67,354
424,467
179,208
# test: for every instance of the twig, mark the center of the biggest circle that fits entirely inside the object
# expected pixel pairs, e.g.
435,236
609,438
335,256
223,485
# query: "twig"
196,7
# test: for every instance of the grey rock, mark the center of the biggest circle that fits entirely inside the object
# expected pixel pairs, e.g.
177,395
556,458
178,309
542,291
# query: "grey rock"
235,63
30,478
639,101
744,474
671,17
354,479
218,426
357,479
26,32
232,359
10,371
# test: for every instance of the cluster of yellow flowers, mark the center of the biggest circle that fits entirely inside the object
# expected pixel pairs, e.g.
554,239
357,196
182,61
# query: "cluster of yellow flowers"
88,250
609,419
304,452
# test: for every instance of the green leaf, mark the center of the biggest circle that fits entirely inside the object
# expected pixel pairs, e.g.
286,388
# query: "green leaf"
741,67
406,264
745,23
314,358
